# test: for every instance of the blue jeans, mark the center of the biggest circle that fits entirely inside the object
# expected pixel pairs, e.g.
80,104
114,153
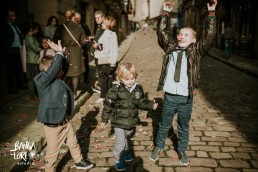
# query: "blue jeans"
175,104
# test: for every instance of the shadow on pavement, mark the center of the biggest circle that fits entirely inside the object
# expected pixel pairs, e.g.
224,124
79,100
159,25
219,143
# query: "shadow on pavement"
88,124
233,95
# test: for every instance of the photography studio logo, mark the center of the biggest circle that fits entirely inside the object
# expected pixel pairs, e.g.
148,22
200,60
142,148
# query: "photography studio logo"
24,151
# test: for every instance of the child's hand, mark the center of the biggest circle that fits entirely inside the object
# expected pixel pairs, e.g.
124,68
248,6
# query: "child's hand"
212,5
168,6
103,125
39,59
155,105
56,47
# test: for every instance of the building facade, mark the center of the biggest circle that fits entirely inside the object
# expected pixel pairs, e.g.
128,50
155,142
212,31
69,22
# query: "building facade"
241,15
118,9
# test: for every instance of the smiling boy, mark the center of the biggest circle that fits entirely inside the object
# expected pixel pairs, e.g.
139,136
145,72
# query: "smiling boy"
179,76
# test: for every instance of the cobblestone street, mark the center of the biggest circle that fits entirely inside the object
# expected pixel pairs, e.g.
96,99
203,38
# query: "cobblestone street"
223,127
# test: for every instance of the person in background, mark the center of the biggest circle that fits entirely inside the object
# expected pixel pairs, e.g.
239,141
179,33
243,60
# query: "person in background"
33,49
73,38
174,31
228,40
46,50
107,54
12,39
55,108
85,47
52,24
99,17
121,106
25,26
179,76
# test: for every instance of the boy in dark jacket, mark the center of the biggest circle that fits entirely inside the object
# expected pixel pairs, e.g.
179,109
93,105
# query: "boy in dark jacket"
56,104
179,76
121,106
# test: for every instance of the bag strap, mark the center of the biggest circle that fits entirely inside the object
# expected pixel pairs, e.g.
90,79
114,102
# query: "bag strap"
72,36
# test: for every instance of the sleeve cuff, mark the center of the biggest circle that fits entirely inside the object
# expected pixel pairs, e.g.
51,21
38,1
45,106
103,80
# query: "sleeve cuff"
165,13
59,52
211,14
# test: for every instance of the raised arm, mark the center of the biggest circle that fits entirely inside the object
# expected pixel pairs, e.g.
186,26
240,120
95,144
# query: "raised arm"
164,37
209,33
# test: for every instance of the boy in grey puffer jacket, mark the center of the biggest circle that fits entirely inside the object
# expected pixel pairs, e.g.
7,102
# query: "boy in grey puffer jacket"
121,106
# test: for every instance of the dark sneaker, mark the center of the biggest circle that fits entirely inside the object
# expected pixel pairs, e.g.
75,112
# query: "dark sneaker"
183,159
155,154
83,165
127,156
120,166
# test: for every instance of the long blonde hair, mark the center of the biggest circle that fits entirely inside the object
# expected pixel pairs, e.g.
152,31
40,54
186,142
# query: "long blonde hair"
110,22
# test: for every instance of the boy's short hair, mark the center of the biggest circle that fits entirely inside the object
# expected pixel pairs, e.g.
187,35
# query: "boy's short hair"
192,30
125,70
102,14
45,62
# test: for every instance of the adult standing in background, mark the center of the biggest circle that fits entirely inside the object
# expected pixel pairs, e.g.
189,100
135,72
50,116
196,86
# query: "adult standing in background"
72,37
85,47
99,17
12,38
51,26
107,54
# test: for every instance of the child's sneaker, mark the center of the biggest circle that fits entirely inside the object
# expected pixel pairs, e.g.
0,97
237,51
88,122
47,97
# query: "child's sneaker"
155,154
183,159
83,165
127,156
120,166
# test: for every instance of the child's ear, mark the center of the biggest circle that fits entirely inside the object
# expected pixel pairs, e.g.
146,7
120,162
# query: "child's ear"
194,40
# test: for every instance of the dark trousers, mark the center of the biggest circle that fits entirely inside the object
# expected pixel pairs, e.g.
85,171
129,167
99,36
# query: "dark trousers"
106,77
87,66
175,104
14,69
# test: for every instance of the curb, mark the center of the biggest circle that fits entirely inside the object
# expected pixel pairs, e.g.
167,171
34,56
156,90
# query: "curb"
248,72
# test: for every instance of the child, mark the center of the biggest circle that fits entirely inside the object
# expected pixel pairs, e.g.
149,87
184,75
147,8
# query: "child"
46,51
179,76
121,106
55,107
32,55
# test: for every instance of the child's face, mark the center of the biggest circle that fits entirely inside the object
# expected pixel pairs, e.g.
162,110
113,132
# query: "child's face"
185,37
129,82
44,44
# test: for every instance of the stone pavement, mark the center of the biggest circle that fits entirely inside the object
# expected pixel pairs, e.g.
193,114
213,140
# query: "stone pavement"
223,134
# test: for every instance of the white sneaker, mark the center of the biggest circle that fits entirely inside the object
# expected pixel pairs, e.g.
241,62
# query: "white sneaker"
95,89
100,100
